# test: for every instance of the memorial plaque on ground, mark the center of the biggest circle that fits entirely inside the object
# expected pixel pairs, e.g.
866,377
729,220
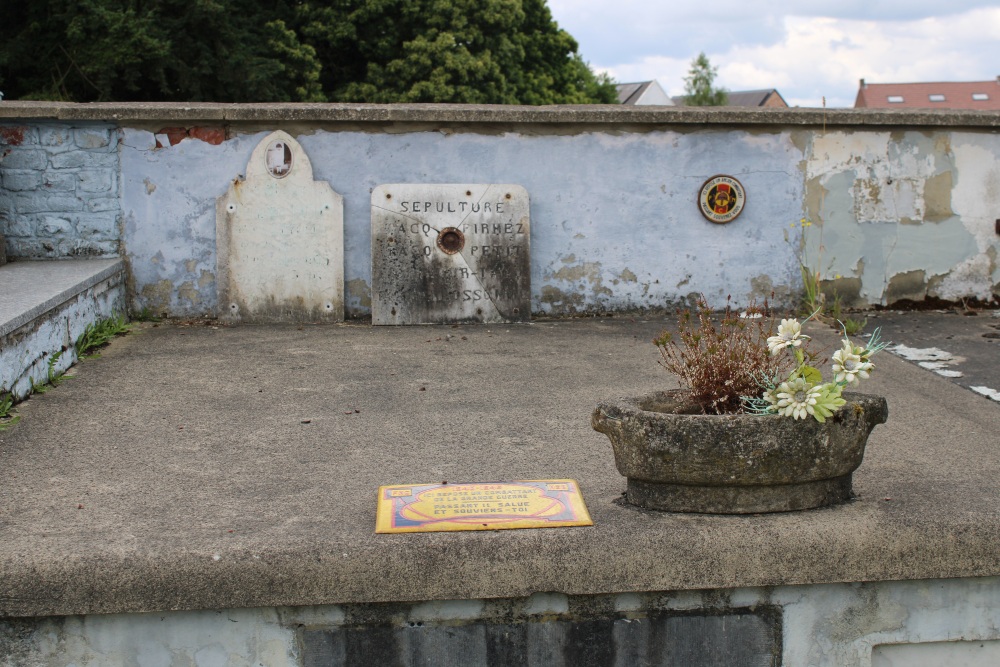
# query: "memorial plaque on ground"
425,508
450,253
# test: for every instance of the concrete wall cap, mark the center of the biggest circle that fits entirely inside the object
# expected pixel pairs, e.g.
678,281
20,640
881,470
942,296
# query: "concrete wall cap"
125,112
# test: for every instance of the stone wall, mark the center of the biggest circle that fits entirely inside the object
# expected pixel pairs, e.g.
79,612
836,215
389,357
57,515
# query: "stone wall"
874,624
39,342
884,205
59,190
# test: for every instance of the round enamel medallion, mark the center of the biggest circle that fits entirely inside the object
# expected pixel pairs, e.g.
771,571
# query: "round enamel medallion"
721,199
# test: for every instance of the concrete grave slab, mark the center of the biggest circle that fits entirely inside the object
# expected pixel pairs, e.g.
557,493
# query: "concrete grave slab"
280,237
450,253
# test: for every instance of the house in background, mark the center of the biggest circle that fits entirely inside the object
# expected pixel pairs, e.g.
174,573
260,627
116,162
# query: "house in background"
644,93
942,95
768,97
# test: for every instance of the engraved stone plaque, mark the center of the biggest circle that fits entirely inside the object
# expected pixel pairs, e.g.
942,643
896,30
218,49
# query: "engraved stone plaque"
450,253
280,239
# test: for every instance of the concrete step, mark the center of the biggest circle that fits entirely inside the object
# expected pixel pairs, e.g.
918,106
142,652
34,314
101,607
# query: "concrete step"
44,307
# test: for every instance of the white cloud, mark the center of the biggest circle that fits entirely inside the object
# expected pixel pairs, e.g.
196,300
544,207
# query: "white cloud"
804,57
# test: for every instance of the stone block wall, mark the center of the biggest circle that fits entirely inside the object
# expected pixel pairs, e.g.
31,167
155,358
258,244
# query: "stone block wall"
59,190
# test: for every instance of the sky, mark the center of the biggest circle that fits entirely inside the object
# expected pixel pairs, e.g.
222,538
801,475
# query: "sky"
807,50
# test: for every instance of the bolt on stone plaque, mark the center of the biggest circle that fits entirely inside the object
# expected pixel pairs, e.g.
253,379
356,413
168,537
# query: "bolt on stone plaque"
450,253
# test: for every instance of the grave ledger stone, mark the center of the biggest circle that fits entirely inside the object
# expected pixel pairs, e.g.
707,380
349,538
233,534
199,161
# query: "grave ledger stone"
280,238
450,253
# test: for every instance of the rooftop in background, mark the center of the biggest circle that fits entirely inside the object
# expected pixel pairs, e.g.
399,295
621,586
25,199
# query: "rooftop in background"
643,93
768,97
980,95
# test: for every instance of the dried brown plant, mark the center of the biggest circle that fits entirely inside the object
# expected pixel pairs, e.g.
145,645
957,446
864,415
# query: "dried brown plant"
722,357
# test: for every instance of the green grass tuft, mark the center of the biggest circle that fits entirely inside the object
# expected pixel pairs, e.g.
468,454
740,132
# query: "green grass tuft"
99,334
7,418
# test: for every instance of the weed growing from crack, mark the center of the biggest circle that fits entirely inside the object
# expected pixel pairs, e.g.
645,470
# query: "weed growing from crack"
7,419
54,375
100,333
146,315
93,337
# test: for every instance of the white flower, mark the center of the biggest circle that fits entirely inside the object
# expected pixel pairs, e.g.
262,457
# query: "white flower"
789,335
849,364
797,398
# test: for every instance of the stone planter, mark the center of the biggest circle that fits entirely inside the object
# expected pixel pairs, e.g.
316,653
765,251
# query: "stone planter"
679,460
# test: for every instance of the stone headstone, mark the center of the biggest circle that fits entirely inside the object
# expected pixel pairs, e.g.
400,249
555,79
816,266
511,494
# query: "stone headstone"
280,239
3,250
450,253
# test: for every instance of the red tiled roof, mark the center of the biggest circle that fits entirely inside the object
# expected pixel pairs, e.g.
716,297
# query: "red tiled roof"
942,95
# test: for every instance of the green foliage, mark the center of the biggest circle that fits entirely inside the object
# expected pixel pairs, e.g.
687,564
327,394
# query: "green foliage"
850,326
475,51
94,336
145,315
698,88
7,418
461,51
100,333
813,299
159,50
854,327
53,375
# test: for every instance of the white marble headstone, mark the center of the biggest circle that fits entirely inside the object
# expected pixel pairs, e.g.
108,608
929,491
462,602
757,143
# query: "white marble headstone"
280,240
450,253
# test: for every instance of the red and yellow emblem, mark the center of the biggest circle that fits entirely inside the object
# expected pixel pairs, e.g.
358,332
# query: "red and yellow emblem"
423,508
721,199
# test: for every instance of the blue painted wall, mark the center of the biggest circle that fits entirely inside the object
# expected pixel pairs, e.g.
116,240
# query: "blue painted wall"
890,213
615,224
59,190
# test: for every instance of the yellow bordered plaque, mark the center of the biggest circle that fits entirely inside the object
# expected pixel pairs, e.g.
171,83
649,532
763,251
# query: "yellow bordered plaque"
426,508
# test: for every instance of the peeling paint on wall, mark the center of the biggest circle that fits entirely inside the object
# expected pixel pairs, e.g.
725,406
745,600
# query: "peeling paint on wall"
168,197
627,203
904,213
882,203
977,203
358,295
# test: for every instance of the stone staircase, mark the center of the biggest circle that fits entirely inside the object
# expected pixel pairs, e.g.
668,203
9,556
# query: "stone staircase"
44,307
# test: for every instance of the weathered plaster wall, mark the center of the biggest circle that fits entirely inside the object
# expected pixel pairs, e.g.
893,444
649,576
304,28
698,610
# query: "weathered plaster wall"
613,217
59,190
901,205
831,625
904,214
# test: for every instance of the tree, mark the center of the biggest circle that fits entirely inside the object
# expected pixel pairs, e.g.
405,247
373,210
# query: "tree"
485,51
698,85
472,51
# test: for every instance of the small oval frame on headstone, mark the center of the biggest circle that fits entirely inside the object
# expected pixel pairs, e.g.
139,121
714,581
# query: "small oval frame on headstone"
278,159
